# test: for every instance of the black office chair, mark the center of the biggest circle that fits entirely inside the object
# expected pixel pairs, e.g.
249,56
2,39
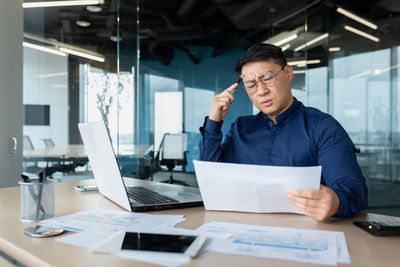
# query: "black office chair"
172,153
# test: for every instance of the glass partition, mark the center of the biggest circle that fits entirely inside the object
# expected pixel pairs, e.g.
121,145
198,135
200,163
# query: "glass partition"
155,67
70,76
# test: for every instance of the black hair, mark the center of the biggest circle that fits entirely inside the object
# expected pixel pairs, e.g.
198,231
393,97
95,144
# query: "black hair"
261,52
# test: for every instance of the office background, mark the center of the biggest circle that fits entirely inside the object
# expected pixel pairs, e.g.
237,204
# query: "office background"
159,63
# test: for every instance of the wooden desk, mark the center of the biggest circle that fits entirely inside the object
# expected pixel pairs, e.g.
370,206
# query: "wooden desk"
78,151
57,152
365,250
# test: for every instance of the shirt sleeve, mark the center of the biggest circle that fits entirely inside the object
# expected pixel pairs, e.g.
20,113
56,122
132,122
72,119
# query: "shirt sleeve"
340,169
212,148
210,143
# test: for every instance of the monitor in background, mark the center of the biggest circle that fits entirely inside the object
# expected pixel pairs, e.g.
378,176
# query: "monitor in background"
37,114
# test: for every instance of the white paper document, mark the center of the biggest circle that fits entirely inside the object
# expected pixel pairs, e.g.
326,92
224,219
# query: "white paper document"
103,222
313,246
92,240
94,227
252,188
154,258
96,243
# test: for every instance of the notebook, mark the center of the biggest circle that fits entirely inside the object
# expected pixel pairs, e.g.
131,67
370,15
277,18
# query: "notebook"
140,195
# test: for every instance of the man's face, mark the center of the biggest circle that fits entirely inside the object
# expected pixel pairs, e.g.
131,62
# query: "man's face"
274,98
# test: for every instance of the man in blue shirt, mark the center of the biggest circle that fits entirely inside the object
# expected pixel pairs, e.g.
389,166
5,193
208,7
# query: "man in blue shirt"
286,133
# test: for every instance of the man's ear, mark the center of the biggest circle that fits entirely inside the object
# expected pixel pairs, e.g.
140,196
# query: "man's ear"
289,72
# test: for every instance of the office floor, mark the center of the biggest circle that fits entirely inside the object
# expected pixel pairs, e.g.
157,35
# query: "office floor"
384,196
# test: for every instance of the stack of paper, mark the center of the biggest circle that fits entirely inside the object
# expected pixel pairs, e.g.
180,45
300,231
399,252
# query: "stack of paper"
313,246
105,222
95,226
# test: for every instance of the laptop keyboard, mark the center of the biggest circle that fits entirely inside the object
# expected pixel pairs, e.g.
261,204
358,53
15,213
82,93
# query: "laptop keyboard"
146,196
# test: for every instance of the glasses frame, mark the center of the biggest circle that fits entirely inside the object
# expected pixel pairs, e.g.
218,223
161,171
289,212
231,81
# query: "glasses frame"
260,80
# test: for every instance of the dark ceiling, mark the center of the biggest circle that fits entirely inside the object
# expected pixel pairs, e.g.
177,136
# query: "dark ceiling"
167,25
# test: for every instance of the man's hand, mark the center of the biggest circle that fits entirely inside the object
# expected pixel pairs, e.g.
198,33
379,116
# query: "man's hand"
317,204
221,103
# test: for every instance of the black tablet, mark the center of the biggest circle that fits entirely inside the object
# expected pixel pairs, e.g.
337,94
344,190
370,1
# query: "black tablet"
185,244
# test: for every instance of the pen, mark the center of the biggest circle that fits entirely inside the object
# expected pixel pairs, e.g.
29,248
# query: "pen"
26,179
39,197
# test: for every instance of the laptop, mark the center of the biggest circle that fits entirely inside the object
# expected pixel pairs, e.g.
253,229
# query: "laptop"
131,194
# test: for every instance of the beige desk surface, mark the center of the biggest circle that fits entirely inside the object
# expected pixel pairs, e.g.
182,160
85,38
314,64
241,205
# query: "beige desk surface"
365,249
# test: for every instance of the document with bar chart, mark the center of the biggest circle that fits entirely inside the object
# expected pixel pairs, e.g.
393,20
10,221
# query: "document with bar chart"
313,246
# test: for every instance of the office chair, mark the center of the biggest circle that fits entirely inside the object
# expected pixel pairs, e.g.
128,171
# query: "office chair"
48,142
64,167
28,145
172,153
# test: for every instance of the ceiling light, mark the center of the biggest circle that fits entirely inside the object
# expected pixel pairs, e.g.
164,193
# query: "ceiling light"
334,49
44,49
50,75
94,9
352,112
285,40
299,71
380,71
361,33
377,71
285,47
319,38
357,18
83,23
59,86
284,37
304,62
81,54
115,38
60,3
361,74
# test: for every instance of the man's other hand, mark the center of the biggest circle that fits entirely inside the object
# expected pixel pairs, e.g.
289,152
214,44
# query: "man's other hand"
317,204
221,103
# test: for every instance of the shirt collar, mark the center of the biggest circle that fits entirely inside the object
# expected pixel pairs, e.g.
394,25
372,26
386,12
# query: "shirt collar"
281,117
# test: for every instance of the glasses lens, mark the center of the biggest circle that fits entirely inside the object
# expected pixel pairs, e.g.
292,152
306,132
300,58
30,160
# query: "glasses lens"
250,87
268,79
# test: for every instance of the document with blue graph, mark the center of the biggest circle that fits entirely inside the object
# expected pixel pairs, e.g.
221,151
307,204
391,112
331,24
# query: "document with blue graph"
303,245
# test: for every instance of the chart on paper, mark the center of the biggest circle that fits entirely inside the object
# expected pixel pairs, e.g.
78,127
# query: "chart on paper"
103,221
299,244
321,247
300,247
109,219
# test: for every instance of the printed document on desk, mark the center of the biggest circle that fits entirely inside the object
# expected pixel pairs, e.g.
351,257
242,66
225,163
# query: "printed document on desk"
252,188
103,221
303,245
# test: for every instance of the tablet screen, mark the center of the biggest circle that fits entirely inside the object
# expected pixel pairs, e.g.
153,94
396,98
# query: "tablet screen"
157,242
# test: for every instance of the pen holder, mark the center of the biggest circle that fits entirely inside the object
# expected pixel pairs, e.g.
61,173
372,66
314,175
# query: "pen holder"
37,200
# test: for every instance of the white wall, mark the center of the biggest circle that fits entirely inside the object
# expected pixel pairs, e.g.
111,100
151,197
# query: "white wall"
46,83
11,115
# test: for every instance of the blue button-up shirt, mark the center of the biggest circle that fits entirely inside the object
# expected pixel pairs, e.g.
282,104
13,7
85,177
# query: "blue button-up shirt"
302,136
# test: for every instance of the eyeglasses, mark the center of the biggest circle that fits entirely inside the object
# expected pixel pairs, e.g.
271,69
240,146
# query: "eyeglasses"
267,79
